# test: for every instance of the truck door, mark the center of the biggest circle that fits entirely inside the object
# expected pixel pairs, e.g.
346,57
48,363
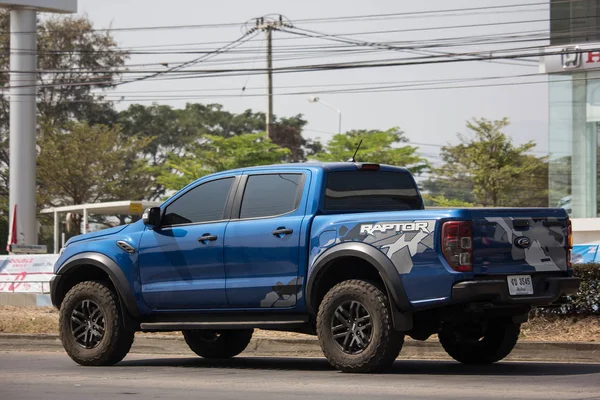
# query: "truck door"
262,245
181,262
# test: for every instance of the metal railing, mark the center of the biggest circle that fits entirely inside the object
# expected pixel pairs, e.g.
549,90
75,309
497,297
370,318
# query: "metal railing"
18,286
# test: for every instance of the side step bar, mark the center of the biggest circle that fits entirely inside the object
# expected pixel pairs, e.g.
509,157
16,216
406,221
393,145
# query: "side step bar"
224,322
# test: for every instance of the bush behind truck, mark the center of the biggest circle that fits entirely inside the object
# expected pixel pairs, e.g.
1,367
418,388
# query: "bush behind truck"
345,251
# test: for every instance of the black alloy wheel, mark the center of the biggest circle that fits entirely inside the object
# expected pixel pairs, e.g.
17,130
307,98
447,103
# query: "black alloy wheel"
87,324
355,327
351,327
91,325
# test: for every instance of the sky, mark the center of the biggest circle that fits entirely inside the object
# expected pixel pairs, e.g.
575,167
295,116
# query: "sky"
429,116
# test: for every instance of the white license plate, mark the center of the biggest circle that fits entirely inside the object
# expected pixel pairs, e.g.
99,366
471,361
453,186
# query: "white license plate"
519,285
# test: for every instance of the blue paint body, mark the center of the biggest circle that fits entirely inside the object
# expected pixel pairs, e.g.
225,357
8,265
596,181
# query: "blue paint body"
246,267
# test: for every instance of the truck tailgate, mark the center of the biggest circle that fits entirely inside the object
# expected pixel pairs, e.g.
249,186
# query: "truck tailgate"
517,240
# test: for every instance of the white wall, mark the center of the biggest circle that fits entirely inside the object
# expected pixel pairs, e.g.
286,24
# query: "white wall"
586,230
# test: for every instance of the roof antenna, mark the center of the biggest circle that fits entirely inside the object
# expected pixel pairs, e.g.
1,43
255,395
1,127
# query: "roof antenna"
353,159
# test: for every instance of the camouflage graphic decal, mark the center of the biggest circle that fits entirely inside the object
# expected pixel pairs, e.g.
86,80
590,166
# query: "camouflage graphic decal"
399,240
326,240
284,295
403,249
547,241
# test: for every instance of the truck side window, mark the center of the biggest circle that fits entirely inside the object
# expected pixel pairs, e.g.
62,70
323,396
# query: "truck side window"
270,195
204,203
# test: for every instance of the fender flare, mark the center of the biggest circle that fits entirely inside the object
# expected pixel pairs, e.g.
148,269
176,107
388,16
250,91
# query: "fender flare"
385,267
114,272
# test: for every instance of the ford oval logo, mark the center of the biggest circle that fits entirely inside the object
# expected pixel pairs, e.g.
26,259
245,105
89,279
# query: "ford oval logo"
522,242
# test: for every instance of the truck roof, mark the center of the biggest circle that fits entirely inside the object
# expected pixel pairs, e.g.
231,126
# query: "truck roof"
328,166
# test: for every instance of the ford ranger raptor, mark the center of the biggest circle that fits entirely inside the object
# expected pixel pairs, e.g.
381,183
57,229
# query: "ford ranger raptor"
344,251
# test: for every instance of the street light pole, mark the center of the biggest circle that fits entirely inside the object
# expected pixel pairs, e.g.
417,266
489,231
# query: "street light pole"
23,79
315,99
23,125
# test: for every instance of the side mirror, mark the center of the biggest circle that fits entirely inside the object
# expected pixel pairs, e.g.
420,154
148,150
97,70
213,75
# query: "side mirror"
152,217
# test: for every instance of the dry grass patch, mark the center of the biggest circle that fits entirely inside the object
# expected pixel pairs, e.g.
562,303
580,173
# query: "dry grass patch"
567,329
45,320
28,319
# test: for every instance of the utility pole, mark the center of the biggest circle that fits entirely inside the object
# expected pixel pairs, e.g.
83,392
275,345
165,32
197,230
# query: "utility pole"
268,25
269,31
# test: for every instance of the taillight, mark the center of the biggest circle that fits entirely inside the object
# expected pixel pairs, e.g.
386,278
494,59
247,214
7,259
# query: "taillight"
569,243
457,245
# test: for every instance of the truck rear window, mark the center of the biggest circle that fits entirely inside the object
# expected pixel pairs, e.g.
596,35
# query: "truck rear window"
371,191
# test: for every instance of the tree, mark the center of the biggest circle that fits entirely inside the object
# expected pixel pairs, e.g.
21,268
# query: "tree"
287,132
211,119
173,130
216,153
85,60
86,164
501,174
377,146
441,201
161,124
457,188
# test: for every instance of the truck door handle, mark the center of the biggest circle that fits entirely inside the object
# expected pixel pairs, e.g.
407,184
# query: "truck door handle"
207,238
282,231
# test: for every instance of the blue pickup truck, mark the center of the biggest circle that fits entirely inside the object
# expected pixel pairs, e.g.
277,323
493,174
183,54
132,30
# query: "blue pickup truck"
344,251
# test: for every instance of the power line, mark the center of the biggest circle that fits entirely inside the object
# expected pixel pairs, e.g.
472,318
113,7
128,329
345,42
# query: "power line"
444,42
246,36
350,18
394,62
298,38
370,44
431,42
120,98
168,27
432,12
367,84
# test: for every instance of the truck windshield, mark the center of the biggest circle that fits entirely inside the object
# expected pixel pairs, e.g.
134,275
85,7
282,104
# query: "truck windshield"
371,191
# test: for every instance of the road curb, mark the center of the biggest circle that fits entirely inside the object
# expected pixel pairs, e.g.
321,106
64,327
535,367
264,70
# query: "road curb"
581,352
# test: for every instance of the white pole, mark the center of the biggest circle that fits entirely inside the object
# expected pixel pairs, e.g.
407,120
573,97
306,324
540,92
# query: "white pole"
23,63
55,232
85,220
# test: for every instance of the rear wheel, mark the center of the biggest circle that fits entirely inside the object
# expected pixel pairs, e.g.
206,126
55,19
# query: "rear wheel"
480,343
355,329
91,326
218,344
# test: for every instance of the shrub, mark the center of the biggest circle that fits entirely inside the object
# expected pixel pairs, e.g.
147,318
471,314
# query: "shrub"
586,302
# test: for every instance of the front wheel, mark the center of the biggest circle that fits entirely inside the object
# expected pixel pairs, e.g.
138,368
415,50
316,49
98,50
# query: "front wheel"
355,329
480,343
91,326
218,344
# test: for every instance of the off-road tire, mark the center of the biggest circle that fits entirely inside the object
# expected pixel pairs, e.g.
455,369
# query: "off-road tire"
116,340
221,344
498,339
385,343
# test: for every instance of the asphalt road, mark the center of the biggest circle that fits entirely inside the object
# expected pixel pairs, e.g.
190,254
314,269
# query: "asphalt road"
26,375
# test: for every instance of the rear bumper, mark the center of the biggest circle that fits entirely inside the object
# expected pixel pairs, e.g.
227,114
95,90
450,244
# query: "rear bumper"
547,290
